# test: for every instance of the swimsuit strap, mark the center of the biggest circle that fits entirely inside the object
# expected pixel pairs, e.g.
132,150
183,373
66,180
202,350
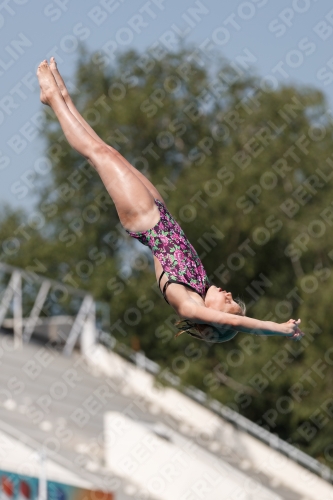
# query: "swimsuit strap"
159,281
166,284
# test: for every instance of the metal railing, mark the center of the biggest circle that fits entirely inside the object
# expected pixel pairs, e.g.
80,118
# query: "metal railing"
23,327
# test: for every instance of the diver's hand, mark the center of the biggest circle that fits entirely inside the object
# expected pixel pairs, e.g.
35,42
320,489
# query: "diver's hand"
292,329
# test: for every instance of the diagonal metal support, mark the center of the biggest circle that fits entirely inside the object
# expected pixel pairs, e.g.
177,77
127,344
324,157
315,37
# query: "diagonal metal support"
85,309
35,311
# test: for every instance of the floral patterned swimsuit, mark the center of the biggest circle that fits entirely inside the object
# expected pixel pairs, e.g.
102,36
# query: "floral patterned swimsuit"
179,260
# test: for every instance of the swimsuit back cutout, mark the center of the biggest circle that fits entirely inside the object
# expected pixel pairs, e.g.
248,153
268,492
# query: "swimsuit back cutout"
169,282
180,262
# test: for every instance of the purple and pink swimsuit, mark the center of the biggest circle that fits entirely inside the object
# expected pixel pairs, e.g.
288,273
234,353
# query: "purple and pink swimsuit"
179,260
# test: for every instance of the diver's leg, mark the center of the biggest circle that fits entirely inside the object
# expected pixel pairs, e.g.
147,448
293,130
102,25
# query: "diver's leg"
134,202
78,116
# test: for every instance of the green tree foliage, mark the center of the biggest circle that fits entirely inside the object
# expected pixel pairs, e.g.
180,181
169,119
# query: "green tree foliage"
247,172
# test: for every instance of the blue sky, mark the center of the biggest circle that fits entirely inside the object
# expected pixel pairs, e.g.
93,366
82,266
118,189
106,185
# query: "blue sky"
289,40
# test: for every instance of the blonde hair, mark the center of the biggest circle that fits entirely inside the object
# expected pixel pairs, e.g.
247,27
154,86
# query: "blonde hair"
242,306
209,333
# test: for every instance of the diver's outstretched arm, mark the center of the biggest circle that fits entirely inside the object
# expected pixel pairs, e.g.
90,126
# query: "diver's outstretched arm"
206,315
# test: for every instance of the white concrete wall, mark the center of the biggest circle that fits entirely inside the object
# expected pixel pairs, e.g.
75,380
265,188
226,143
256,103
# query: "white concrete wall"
167,471
195,420
284,470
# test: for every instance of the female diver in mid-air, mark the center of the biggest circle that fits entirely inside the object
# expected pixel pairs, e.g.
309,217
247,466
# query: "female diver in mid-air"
209,313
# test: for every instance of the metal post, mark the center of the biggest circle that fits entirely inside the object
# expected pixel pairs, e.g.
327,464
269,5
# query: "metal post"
7,296
42,486
88,336
13,292
17,310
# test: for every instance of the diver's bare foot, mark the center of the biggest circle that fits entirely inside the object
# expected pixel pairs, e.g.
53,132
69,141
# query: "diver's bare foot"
58,78
47,83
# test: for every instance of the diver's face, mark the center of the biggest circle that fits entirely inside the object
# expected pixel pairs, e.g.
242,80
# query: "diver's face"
221,300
